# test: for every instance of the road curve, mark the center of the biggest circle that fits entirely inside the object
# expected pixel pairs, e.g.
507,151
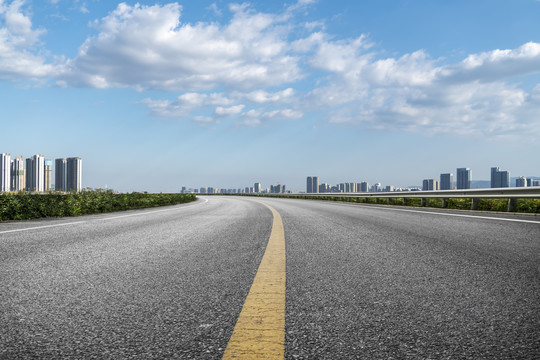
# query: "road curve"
361,282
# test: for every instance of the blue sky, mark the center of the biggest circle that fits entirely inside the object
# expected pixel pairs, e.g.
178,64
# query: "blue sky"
155,95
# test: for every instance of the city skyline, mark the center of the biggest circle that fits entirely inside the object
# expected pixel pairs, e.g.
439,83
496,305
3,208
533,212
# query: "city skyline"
35,174
213,91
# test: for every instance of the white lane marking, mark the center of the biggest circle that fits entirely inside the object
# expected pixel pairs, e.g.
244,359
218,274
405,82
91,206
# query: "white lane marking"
108,218
443,214
41,227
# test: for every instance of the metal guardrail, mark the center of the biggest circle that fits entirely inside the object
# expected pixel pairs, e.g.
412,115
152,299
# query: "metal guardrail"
512,194
499,193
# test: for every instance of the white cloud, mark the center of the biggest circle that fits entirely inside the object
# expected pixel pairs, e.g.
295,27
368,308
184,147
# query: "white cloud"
229,111
416,93
262,96
18,42
147,47
256,68
214,8
283,114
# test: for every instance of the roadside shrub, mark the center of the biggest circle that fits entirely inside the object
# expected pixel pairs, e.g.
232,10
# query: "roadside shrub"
30,206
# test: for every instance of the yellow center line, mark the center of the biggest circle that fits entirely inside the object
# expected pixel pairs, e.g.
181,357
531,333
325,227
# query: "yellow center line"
260,329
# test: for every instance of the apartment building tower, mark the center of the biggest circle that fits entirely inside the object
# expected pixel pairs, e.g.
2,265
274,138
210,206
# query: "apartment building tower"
430,185
48,174
60,174
5,172
17,175
499,179
464,176
521,181
35,173
74,174
312,184
447,181
364,187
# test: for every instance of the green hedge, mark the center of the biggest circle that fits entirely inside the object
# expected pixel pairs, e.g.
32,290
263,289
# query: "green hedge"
30,206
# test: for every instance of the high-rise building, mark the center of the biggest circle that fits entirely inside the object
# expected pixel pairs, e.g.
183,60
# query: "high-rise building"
17,175
277,189
464,176
536,183
530,182
430,185
377,187
74,174
48,175
521,181
35,173
5,172
499,179
312,184
364,187
447,181
257,187
60,174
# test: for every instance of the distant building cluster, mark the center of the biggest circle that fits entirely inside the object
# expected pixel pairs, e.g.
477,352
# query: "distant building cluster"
35,174
499,179
314,187
255,189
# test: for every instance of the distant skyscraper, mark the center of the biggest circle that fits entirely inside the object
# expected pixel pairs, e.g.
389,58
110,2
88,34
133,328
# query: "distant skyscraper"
312,184
364,187
48,175
74,174
60,175
257,187
430,185
35,173
447,181
464,178
5,172
499,179
17,175
521,181
315,184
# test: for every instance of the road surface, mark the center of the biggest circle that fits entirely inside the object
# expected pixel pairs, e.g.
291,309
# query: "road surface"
361,282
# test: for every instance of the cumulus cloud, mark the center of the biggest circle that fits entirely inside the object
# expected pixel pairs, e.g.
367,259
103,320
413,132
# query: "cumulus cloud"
147,47
417,93
229,111
18,43
259,67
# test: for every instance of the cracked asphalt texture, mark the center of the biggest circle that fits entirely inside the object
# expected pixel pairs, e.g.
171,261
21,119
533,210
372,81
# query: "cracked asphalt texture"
362,282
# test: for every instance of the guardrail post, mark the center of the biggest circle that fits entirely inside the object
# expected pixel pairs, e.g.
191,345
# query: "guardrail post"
444,203
512,205
474,205
424,202
404,201
377,200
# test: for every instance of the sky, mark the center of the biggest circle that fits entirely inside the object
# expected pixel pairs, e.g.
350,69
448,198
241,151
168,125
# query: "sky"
156,95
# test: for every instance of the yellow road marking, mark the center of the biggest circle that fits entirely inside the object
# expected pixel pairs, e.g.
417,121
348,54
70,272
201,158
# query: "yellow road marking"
260,329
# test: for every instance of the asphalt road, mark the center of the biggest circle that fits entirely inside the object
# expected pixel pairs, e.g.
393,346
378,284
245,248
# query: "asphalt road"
362,282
